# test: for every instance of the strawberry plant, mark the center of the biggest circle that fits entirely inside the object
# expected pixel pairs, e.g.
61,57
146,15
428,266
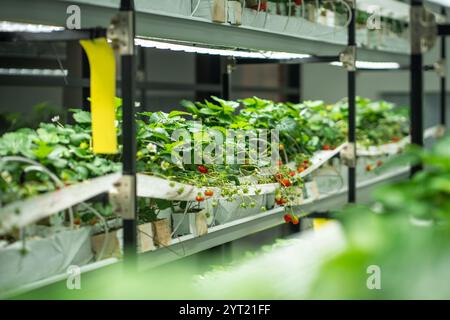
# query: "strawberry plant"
377,122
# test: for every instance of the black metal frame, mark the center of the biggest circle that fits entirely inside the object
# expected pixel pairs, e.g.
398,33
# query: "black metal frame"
351,80
53,36
312,59
129,140
416,95
443,84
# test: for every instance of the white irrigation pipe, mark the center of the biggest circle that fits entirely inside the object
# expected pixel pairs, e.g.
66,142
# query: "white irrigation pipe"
196,8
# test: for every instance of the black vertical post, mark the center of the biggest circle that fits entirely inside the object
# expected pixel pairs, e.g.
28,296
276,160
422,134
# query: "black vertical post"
85,74
227,65
207,71
352,109
226,69
300,82
416,82
292,74
443,77
142,77
129,137
73,97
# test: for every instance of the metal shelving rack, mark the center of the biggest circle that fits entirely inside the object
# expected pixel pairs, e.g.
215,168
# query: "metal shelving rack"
175,28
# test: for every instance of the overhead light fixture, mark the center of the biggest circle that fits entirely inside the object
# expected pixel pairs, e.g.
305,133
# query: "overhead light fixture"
372,65
444,3
33,72
147,43
7,26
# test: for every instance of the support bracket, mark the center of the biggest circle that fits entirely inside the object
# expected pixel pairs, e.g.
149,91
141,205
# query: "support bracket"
439,66
121,195
348,155
229,64
424,29
348,58
120,32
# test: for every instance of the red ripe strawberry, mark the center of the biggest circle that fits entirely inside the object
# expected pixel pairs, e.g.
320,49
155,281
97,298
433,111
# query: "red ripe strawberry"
326,147
209,193
287,218
300,169
280,201
199,198
306,162
292,173
286,182
369,167
202,169
263,6
298,2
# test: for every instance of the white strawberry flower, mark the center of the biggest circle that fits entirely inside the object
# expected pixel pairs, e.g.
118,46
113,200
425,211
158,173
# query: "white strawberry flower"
151,148
165,165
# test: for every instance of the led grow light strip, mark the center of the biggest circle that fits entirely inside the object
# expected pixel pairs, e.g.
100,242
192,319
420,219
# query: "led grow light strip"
372,65
444,3
147,43
7,26
33,72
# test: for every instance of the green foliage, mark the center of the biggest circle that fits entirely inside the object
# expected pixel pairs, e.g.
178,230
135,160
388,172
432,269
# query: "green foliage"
303,128
406,234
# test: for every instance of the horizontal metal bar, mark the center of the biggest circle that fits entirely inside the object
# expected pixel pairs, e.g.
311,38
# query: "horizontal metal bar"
401,68
313,59
60,35
320,215
30,63
43,81
429,67
58,81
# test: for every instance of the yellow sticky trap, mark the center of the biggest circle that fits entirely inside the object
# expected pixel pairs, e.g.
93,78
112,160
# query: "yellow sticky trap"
103,91
319,223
